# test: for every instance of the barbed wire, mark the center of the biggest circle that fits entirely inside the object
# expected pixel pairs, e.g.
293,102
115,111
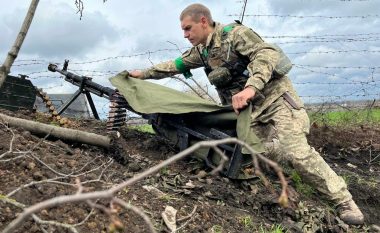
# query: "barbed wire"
128,56
52,87
295,65
374,83
356,93
29,60
331,0
321,36
338,67
107,73
98,71
310,16
335,51
365,86
45,76
340,96
351,82
355,0
29,64
38,72
371,77
347,40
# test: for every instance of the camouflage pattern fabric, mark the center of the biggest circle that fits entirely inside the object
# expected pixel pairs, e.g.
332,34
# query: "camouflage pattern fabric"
272,117
283,130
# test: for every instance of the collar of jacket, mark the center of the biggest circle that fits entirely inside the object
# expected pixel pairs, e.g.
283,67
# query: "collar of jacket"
211,38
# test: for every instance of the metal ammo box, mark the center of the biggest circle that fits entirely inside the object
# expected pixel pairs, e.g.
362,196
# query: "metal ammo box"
17,93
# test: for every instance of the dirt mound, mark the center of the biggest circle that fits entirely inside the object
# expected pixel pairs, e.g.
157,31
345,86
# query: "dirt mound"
34,169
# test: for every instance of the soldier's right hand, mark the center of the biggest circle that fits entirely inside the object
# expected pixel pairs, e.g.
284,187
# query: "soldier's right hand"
240,100
136,74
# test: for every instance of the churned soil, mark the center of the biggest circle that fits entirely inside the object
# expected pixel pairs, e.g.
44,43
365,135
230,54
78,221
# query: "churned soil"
34,169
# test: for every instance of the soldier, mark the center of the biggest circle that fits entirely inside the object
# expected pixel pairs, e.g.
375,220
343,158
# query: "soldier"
246,69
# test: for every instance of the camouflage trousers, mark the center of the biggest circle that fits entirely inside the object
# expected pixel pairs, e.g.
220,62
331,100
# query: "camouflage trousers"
283,130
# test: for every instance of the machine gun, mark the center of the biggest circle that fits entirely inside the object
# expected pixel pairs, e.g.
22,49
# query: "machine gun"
178,128
118,104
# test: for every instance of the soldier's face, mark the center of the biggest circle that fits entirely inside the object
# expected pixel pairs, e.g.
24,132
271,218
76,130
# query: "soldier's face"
195,32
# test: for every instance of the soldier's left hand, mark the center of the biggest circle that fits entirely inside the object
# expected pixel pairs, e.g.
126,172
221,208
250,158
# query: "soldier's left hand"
241,99
136,74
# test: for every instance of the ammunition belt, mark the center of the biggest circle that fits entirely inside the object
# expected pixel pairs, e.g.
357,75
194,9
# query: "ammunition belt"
51,108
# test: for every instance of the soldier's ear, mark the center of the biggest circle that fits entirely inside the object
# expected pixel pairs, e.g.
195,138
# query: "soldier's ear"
204,21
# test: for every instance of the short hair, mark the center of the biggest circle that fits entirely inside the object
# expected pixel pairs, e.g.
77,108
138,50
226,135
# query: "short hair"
196,11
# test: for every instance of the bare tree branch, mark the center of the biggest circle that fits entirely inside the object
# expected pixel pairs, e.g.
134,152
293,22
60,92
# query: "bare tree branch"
203,90
187,84
137,211
80,7
12,54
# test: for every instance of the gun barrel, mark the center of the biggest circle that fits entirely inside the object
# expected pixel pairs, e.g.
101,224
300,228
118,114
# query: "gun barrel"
84,82
94,87
52,67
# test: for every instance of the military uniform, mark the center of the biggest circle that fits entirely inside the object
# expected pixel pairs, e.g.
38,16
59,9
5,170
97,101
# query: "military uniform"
278,117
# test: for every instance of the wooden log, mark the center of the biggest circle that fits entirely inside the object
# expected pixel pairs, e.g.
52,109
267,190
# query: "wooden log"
58,132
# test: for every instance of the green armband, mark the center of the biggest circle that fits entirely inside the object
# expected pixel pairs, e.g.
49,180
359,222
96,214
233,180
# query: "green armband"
182,68
228,28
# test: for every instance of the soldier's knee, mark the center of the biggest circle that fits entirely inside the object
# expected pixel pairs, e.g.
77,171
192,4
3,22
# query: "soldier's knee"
302,154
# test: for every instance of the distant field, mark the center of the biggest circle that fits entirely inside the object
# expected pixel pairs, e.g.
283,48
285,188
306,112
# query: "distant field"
351,117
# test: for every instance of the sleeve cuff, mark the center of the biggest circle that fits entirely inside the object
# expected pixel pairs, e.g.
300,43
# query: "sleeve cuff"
146,74
255,82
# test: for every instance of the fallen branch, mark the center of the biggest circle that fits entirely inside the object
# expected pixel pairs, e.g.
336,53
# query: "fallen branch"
188,218
58,132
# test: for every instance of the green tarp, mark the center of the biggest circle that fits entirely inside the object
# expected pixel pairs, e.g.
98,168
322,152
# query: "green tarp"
146,97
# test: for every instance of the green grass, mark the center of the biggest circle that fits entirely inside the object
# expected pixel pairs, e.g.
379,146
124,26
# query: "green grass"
145,128
301,187
217,229
169,197
165,171
247,222
276,228
347,178
355,117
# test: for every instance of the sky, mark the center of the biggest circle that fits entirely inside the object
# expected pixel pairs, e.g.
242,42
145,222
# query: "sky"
334,45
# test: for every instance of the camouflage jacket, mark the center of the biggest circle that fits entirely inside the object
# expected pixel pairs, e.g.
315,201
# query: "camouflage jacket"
226,46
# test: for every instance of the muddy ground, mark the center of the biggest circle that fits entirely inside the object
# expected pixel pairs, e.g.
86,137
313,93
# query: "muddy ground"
38,169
